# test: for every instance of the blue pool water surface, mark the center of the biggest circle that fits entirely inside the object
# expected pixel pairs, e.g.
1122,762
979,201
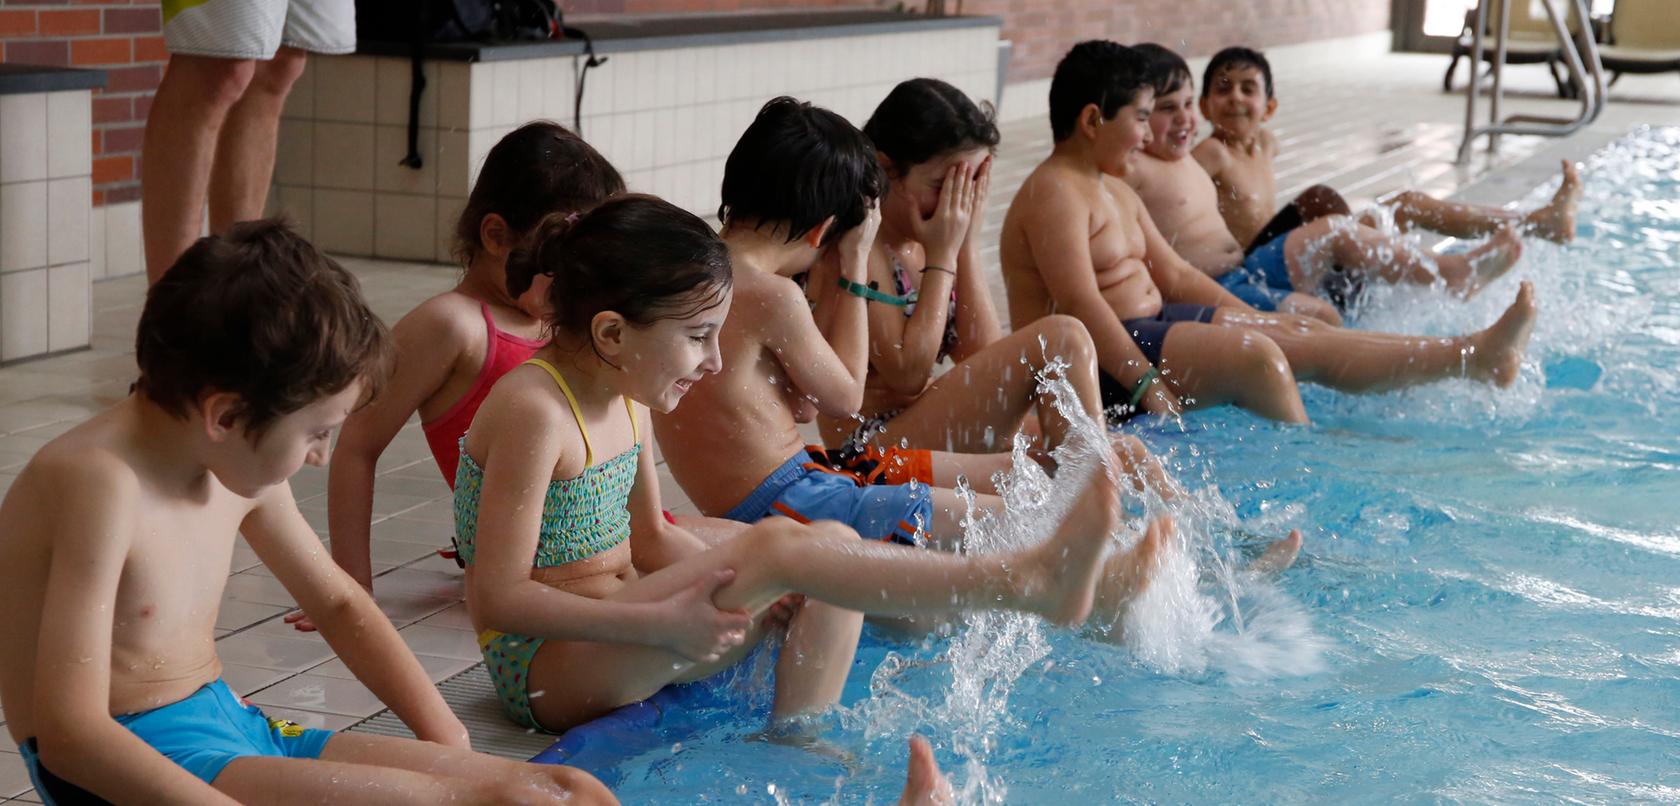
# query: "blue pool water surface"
1487,607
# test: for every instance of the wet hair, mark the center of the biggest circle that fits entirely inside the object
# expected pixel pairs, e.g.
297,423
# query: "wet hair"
1164,69
924,118
638,255
1097,71
800,164
536,169
1237,58
263,314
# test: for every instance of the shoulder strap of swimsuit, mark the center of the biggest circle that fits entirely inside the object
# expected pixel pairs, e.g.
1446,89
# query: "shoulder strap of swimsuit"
588,452
490,333
635,430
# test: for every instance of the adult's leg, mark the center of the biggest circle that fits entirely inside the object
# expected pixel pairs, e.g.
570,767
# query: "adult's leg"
1212,365
384,769
1555,221
1314,249
245,148
828,562
179,147
1363,361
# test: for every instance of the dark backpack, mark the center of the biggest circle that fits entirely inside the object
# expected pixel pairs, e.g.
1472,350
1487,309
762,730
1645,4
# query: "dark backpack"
425,22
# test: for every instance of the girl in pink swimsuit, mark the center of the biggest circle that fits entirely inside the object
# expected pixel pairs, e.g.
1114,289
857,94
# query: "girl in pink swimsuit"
453,347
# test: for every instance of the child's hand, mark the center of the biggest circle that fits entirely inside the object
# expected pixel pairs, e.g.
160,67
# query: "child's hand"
300,621
695,628
941,235
856,243
977,218
781,613
1161,400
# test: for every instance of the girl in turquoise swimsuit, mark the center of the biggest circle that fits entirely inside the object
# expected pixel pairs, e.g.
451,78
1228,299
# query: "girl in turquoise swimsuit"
586,599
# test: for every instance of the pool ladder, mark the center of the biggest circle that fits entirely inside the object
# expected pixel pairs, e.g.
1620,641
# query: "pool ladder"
1580,54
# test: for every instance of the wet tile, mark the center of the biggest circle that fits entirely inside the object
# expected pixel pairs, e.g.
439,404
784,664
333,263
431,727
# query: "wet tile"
246,679
320,694
272,651
14,776
437,668
249,587
438,584
424,640
454,617
237,615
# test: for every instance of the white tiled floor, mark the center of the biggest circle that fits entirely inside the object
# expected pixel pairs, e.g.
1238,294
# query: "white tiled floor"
1371,128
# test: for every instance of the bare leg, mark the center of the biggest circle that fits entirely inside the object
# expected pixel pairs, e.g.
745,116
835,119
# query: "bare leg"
924,785
1278,556
179,148
245,150
1554,222
1315,248
1212,365
384,769
811,672
1308,305
1126,575
1362,361
827,562
980,403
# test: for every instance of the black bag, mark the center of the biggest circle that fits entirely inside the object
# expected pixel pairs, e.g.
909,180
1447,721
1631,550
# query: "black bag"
434,21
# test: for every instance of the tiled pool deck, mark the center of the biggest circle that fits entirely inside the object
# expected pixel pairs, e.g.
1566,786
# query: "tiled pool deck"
1373,127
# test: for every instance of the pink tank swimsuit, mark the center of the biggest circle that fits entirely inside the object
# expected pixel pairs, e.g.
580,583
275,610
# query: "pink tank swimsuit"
504,352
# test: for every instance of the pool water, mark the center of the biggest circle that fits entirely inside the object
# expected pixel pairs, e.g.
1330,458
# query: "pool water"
1487,607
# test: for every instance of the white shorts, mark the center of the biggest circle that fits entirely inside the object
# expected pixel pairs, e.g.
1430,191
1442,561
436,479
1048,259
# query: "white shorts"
255,29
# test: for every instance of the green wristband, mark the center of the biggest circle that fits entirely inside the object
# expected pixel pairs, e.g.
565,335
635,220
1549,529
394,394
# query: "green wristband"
1143,385
861,290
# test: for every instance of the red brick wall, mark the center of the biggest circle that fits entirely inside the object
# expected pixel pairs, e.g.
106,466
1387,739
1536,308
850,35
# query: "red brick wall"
123,38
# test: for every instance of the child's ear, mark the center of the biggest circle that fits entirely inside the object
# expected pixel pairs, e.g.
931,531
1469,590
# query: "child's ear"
606,330
496,236
220,413
1202,106
814,238
1090,118
1271,109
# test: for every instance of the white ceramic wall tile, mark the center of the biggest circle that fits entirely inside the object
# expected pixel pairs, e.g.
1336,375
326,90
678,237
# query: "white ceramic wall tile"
23,225
684,137
96,243
346,88
124,250
450,161
298,205
639,181
558,88
343,155
479,143
344,221
23,314
643,136
23,137
68,201
665,137
390,146
403,226
300,102
664,79
455,96
504,93
394,79
648,79
294,159
705,75
598,84
532,80
69,306
69,121
448,213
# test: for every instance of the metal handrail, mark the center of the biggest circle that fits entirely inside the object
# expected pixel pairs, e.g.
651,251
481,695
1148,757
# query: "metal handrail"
1580,70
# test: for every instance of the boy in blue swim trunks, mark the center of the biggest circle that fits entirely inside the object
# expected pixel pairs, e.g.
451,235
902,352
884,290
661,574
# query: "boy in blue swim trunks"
118,535
1078,240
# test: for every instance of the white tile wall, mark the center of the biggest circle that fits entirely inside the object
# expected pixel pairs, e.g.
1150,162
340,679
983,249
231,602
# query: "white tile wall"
69,306
68,203
123,250
23,314
23,138
666,119
69,112
23,224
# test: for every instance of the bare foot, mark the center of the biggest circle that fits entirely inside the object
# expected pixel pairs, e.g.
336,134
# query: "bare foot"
923,783
1497,353
1127,575
1556,221
1278,556
1494,257
1141,468
1062,572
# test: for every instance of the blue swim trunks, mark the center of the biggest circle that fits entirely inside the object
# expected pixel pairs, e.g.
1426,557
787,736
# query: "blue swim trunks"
1263,278
203,733
806,490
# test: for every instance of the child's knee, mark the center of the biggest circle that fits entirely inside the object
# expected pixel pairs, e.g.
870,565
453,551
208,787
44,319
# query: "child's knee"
1264,362
575,785
1319,201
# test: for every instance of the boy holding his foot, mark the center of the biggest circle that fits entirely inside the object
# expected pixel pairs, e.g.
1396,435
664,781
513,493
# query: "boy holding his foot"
1237,98
252,349
1328,253
1077,240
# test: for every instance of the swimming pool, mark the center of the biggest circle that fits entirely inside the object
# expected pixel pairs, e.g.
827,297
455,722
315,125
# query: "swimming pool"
1487,607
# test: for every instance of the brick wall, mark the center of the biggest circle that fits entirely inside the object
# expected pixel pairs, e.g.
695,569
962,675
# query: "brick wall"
123,38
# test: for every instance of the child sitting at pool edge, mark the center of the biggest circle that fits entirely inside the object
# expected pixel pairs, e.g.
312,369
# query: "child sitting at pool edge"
252,349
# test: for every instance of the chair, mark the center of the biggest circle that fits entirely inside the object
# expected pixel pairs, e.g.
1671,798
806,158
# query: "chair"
1644,38
1532,41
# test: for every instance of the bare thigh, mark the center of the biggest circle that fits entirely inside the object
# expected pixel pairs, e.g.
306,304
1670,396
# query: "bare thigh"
384,769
